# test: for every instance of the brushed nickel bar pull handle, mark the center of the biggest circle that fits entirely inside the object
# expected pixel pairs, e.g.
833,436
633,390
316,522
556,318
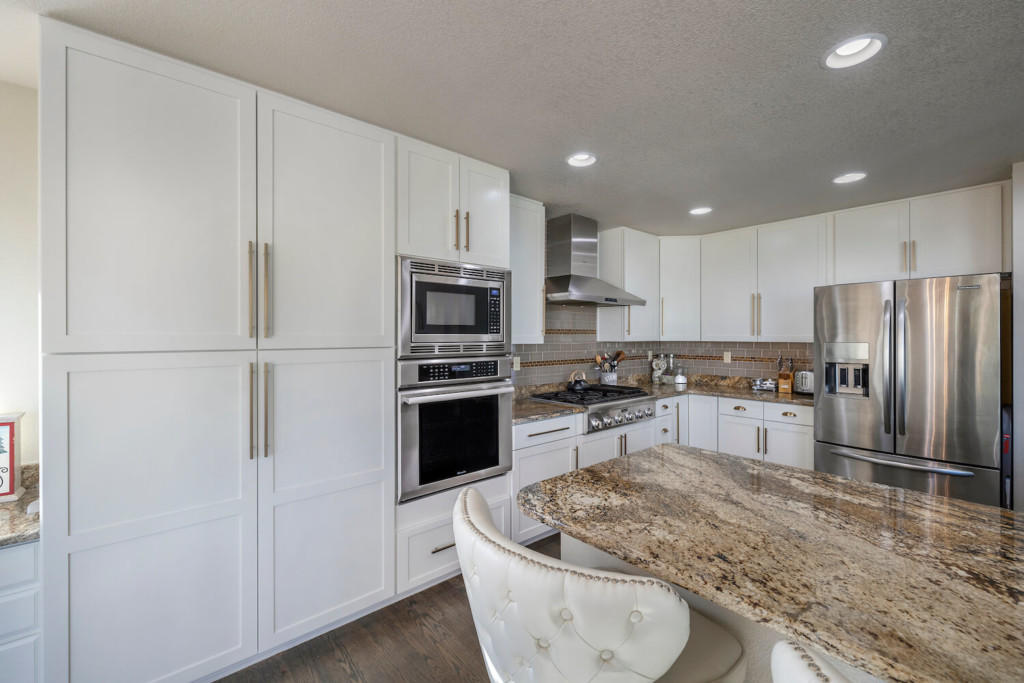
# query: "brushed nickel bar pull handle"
886,369
625,444
913,255
543,314
456,229
550,431
753,314
662,316
252,390
266,410
789,413
903,256
252,328
766,441
758,444
441,548
759,314
629,320
266,290
678,435
575,457
467,231
740,408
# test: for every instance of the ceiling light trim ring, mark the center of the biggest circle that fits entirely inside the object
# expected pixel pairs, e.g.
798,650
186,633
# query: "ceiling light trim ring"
581,159
840,55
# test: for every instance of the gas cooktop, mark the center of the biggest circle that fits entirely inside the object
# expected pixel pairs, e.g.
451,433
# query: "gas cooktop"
593,394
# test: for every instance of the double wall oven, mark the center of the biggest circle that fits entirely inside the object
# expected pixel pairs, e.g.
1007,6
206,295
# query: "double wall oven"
454,375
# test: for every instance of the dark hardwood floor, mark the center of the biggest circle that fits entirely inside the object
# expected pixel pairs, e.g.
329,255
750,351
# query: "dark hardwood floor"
426,637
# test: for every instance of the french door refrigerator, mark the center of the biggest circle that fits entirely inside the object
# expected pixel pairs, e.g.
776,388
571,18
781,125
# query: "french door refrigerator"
912,384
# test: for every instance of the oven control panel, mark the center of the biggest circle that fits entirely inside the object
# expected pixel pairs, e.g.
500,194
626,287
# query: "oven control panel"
439,372
494,311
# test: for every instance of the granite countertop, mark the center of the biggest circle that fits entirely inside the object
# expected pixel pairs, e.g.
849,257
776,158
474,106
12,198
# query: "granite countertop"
15,525
722,391
527,410
904,585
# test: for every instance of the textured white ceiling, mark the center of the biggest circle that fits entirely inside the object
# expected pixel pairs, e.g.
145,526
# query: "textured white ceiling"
686,102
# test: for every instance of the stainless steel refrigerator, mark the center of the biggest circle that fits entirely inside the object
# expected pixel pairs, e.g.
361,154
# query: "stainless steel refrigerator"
912,384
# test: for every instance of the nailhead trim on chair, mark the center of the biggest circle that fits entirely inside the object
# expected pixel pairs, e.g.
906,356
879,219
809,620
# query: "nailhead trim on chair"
572,572
804,655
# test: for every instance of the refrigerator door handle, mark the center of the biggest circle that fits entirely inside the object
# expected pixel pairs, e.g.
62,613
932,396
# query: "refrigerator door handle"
886,366
903,465
901,367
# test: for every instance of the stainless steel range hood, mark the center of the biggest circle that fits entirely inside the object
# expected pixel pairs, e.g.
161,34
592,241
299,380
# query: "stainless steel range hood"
572,266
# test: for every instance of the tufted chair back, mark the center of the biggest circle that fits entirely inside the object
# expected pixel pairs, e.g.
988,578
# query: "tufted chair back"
541,620
792,663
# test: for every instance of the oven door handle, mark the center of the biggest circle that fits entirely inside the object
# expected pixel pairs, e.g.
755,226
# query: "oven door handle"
455,395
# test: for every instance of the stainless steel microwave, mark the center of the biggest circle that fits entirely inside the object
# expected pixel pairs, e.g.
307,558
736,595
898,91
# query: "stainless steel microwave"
452,309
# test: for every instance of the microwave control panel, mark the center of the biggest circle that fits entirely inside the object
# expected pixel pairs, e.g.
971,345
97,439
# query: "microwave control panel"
435,372
493,310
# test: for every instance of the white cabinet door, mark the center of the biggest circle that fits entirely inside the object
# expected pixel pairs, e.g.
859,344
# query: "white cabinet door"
789,444
594,450
680,288
638,438
740,436
703,422
151,549
665,429
870,244
326,229
628,259
533,464
19,660
326,455
148,200
790,264
728,286
428,197
483,195
527,263
957,233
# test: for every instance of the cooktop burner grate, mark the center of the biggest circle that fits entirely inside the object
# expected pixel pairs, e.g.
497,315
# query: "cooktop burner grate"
599,393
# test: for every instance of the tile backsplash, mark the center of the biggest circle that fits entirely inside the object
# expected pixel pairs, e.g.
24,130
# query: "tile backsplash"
570,343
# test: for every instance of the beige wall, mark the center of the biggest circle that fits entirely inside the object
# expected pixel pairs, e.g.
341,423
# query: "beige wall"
19,263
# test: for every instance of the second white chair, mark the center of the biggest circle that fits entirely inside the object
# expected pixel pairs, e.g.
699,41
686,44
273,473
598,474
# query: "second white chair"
792,663
545,621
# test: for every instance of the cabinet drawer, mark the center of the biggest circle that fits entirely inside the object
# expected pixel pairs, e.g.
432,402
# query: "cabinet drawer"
19,612
665,406
665,429
19,661
781,412
740,408
18,566
427,552
543,431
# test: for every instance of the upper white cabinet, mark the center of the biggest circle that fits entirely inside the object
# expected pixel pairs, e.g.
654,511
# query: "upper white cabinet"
957,233
527,263
790,264
952,233
451,207
326,229
680,288
728,286
629,259
148,201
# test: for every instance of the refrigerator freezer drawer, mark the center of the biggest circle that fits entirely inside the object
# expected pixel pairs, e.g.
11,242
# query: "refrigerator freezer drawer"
975,484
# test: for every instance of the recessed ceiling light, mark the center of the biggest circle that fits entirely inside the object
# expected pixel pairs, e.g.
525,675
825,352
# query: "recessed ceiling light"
853,51
849,178
582,159
700,210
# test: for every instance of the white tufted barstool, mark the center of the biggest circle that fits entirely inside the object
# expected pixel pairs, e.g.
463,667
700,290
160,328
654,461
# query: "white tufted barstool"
540,620
793,663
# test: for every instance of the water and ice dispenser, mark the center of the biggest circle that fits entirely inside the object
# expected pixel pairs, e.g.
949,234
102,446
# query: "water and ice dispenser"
846,369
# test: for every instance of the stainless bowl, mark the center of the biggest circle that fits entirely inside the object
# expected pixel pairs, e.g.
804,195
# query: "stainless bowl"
764,384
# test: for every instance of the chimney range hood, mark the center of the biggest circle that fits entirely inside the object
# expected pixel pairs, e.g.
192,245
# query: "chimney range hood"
572,266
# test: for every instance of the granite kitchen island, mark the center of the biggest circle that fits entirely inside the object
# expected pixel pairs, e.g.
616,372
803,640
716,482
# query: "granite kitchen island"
902,585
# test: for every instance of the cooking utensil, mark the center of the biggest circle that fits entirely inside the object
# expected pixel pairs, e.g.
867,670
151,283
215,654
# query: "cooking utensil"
598,359
620,356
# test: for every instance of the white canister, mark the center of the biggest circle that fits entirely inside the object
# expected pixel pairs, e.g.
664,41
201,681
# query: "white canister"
680,381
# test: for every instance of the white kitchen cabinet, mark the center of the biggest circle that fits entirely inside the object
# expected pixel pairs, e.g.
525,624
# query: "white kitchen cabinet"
791,262
728,286
154,577
774,432
20,613
326,266
869,243
789,444
702,412
326,487
638,437
533,464
451,207
629,259
148,200
528,230
740,436
598,447
679,274
957,233
671,424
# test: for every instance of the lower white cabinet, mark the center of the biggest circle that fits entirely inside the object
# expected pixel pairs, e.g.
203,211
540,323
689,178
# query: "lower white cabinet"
789,444
774,432
740,436
533,464
326,487
638,437
426,540
703,422
595,448
672,422
20,618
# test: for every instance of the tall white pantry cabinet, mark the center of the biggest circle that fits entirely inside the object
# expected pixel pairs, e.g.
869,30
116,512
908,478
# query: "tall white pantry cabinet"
218,364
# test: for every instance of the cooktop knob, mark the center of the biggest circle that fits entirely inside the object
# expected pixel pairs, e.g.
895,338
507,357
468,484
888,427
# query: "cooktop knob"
596,423
648,412
630,416
608,422
618,418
